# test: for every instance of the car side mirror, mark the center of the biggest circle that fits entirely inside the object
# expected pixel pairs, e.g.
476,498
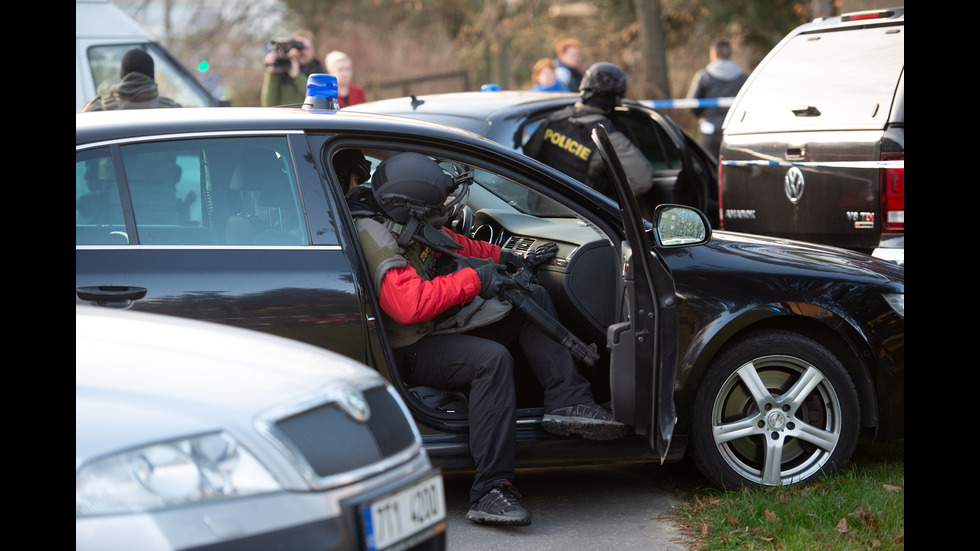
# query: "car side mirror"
679,225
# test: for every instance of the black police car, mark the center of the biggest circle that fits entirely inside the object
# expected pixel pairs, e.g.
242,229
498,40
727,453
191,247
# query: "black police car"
768,361
684,173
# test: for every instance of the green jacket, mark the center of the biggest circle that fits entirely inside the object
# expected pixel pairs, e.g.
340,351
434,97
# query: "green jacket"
135,91
276,92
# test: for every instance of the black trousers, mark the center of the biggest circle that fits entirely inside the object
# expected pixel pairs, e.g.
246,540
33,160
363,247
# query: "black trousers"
479,362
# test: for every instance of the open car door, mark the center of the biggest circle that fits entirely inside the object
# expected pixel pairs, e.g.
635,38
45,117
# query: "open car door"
643,347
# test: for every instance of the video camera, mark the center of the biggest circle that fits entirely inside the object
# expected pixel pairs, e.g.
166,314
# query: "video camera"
282,46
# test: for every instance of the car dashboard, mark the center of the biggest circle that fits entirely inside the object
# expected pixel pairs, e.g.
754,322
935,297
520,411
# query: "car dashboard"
581,279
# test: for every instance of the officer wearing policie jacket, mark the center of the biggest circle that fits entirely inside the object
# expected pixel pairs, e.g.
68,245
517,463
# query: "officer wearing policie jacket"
564,140
450,329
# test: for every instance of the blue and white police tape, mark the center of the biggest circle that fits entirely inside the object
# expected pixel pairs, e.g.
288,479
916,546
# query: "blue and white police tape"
826,164
687,103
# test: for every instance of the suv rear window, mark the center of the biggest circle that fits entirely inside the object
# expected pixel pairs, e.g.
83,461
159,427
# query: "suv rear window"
807,77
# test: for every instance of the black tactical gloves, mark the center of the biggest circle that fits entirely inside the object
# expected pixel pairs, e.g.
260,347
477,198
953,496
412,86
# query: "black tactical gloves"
532,260
493,279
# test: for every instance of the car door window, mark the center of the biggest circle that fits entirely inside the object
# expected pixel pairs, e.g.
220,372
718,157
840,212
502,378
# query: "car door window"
651,139
98,209
228,191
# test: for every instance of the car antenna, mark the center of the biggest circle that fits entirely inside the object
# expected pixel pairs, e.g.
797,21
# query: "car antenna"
416,102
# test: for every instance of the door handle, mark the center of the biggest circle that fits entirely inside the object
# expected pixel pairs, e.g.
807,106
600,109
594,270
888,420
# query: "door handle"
805,111
795,153
110,293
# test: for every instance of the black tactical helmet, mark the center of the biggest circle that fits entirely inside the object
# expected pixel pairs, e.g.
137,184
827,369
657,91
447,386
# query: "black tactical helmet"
352,161
603,84
411,184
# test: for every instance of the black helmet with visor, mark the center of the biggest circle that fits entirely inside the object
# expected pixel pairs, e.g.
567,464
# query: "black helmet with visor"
411,185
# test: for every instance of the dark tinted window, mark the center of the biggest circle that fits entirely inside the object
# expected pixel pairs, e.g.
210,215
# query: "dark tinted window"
847,79
98,210
652,140
221,191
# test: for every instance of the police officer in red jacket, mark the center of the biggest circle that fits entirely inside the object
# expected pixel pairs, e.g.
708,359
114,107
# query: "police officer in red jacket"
450,329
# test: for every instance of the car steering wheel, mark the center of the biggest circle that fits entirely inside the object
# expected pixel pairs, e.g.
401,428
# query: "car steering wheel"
463,222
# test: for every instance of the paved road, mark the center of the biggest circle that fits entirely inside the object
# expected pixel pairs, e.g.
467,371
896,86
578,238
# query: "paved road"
601,508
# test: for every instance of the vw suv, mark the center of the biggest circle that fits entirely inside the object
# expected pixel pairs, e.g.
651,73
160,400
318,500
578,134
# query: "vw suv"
814,144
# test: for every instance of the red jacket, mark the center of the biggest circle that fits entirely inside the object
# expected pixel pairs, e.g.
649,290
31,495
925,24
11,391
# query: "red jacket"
408,298
355,95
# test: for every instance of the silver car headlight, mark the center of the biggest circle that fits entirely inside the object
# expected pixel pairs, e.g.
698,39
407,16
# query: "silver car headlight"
209,467
897,302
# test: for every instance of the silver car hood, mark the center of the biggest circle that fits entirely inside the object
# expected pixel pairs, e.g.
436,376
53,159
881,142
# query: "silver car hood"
130,389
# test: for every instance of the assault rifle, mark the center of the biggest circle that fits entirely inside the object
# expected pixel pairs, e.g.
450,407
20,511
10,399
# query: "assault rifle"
518,296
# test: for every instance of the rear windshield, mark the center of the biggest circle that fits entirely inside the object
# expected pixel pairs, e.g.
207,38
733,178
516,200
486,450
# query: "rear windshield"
172,80
840,80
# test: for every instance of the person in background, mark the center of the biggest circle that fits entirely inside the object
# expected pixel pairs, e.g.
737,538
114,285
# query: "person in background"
568,59
353,169
564,139
543,77
286,84
721,78
137,90
341,66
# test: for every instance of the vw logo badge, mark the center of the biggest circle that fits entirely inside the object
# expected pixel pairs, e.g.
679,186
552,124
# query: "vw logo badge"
793,184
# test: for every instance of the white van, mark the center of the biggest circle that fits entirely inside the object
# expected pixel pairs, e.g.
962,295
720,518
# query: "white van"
103,33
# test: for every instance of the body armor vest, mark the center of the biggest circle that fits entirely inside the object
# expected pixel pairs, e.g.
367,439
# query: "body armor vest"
378,240
564,142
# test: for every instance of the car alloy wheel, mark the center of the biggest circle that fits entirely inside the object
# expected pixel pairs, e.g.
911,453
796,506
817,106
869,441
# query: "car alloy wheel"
774,409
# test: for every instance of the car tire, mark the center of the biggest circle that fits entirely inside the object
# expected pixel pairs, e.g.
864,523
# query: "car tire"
774,408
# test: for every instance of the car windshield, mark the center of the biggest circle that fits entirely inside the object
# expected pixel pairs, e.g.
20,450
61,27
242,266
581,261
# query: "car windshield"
173,81
493,191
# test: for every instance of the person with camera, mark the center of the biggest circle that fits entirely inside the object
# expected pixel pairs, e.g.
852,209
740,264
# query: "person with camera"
450,329
287,66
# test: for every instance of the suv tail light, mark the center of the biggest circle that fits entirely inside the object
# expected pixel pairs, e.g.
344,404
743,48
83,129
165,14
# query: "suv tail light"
865,15
893,195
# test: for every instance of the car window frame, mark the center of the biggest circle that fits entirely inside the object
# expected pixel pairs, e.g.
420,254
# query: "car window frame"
317,224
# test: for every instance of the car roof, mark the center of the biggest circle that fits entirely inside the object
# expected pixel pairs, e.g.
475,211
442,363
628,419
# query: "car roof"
476,112
98,126
481,105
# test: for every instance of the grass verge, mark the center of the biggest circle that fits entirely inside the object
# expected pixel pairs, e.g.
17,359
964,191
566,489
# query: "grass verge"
862,507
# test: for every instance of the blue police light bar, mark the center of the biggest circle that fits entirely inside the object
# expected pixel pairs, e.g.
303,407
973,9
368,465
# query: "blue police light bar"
490,88
321,92
687,103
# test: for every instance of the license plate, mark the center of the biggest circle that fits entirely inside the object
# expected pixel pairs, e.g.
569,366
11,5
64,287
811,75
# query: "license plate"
399,516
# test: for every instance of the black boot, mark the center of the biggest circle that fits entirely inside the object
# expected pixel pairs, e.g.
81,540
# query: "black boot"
500,506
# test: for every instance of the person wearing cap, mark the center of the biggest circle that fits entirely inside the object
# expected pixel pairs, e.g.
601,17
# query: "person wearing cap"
289,88
137,90
564,140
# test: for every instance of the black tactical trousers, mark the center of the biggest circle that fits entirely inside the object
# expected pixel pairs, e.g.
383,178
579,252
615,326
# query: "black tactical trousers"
478,362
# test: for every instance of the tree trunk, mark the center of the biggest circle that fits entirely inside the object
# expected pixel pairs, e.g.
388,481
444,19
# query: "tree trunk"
654,83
